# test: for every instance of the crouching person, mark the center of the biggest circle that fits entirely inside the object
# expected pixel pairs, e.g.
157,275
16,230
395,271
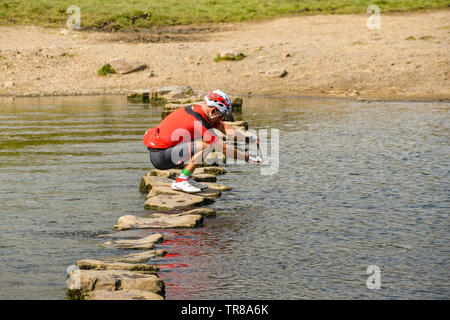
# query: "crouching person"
186,136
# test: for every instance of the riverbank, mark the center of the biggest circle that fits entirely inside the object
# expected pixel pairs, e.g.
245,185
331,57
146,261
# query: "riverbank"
323,56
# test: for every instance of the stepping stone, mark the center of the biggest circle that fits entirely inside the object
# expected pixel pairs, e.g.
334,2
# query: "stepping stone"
216,186
85,281
131,234
175,91
176,201
140,257
148,181
161,173
161,190
141,95
216,171
90,264
204,212
123,295
237,124
168,222
204,177
144,243
174,173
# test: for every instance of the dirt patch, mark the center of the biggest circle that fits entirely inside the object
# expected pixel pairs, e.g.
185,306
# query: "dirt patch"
334,56
167,34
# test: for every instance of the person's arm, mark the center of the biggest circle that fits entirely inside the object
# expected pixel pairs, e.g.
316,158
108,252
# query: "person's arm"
232,132
222,146
229,131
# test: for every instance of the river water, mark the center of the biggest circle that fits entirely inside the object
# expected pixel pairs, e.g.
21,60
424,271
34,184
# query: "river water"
358,184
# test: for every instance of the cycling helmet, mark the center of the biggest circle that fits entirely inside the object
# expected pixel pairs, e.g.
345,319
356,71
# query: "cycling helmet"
219,100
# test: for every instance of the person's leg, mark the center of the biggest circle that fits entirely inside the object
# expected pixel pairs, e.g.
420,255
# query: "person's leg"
160,158
200,150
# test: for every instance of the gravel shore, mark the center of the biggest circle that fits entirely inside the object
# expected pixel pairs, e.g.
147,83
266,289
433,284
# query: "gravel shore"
331,56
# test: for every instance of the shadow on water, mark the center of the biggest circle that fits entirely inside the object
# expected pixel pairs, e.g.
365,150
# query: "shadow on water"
358,184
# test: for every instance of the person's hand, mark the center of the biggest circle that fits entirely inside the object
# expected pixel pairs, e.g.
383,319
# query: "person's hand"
253,139
255,160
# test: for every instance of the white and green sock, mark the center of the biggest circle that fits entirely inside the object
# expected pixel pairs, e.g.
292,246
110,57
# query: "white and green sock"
184,175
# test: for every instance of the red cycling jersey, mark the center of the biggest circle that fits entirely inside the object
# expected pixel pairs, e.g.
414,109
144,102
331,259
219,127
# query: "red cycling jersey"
182,125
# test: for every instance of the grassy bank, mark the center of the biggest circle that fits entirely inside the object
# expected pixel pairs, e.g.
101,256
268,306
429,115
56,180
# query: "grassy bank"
120,14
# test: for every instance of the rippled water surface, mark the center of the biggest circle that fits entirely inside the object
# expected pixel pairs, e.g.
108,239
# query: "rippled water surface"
358,184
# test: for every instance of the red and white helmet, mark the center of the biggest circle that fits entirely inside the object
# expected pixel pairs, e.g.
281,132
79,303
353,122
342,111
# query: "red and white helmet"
219,100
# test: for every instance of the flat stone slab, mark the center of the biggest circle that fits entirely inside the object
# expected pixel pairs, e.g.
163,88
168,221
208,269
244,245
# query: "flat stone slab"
176,201
216,171
161,190
204,177
201,176
217,186
150,180
90,264
123,295
161,173
204,212
169,222
140,244
175,91
140,257
241,124
85,281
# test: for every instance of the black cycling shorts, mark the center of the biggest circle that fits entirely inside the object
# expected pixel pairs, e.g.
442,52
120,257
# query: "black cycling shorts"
172,157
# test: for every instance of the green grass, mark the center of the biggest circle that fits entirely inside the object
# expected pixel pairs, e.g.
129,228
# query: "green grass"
239,57
105,70
123,14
